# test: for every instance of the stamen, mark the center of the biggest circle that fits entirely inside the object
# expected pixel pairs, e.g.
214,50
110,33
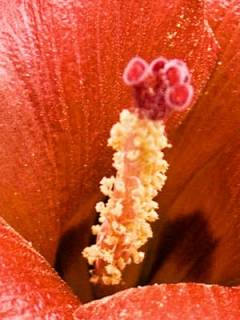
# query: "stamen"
138,139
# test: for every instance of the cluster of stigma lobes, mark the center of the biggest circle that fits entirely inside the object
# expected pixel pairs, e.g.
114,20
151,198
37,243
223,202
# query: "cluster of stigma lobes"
159,89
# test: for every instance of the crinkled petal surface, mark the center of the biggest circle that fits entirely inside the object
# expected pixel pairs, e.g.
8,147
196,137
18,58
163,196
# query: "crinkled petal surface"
175,302
61,90
29,288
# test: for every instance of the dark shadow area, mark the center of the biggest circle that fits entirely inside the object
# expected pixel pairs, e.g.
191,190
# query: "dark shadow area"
189,244
71,265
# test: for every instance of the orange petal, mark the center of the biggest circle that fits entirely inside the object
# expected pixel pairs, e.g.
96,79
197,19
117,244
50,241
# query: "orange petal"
29,288
61,90
200,241
176,302
201,196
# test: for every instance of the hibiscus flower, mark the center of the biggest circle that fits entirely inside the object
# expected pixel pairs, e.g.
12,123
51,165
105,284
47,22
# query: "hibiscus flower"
61,91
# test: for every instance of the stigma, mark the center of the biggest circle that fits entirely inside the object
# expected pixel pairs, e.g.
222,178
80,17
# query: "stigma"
159,88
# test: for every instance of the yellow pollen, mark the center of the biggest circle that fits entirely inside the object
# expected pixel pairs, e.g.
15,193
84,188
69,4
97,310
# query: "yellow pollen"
124,220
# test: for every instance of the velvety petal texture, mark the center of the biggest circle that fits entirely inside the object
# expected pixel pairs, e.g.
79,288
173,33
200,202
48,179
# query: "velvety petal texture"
175,302
199,235
61,90
29,288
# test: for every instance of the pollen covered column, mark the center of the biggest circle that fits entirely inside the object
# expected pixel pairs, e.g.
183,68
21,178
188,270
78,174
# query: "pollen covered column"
138,139
125,217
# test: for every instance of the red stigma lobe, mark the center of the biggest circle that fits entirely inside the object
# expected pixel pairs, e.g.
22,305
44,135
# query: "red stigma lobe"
135,72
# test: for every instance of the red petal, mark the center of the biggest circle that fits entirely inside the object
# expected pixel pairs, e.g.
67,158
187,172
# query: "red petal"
61,90
29,288
201,198
200,241
176,302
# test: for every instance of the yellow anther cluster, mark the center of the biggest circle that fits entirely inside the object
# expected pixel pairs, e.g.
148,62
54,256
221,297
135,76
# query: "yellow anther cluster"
124,220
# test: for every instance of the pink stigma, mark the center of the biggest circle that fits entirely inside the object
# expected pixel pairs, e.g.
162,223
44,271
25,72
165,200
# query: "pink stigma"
161,87
135,72
157,64
179,96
